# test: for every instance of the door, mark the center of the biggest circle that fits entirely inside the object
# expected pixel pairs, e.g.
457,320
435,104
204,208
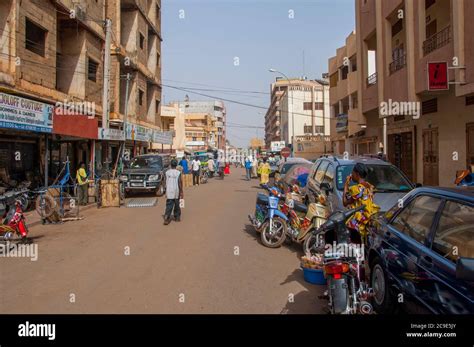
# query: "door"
470,144
430,157
400,152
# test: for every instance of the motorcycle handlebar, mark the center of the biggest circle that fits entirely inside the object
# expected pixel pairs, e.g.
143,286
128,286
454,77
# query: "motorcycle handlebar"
349,213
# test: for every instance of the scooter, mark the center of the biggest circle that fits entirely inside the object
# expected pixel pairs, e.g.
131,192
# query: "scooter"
261,207
14,224
343,265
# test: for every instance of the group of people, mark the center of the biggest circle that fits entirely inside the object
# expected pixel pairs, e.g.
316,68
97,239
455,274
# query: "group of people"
253,168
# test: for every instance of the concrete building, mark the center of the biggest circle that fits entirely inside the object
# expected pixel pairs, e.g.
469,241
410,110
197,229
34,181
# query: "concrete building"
214,108
201,131
402,37
172,119
298,107
349,132
52,57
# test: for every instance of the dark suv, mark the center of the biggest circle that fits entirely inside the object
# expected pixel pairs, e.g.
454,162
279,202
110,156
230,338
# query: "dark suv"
329,174
146,173
421,253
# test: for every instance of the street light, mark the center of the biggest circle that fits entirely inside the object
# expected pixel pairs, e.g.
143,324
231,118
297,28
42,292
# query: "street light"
292,113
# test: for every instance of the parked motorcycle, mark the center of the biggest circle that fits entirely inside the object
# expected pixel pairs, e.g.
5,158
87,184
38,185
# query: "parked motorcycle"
261,207
344,269
14,223
204,175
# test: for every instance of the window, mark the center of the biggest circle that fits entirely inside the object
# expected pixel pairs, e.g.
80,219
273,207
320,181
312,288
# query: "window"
455,234
431,29
416,219
429,3
92,67
142,41
307,106
140,97
157,106
354,64
333,79
344,72
317,106
397,27
429,106
308,129
318,129
469,100
35,38
329,175
158,59
318,177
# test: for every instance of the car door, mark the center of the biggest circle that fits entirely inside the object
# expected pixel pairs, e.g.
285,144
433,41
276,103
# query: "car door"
405,246
452,238
312,189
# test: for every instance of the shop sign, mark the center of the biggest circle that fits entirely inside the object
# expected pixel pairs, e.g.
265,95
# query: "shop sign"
24,114
342,122
137,132
164,137
111,134
195,143
277,146
438,76
81,126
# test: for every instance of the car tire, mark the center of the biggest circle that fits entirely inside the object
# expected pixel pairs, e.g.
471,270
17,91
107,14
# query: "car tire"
382,300
160,191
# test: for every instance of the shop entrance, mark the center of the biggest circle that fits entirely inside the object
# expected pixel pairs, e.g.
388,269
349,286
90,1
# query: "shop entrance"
400,152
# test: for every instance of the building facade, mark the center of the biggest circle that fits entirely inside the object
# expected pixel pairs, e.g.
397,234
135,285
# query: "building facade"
298,107
51,82
201,131
428,134
215,109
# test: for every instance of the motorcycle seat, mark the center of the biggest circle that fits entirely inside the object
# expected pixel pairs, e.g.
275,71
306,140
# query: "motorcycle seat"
300,207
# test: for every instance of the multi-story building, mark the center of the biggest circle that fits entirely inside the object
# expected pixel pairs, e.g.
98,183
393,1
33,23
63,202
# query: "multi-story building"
136,50
201,131
428,134
52,57
214,108
172,119
349,132
298,107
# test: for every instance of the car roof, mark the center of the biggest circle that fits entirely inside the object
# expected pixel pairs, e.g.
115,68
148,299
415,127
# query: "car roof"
296,160
352,161
458,193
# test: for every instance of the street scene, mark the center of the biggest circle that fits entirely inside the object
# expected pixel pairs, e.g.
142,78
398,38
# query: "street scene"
242,157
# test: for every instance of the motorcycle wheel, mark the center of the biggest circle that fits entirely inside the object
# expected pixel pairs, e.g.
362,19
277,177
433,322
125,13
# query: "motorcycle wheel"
313,244
338,294
278,235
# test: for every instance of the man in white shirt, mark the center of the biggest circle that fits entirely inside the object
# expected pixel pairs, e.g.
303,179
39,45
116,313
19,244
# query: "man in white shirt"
211,166
174,192
196,167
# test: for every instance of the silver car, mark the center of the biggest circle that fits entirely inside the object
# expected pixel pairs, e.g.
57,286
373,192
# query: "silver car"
329,174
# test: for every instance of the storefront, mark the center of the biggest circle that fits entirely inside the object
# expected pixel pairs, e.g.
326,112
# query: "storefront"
24,125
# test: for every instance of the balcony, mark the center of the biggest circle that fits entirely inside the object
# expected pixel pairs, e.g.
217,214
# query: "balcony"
372,80
437,41
398,64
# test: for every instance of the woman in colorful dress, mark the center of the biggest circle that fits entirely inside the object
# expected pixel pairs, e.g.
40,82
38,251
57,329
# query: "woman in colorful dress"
265,170
361,193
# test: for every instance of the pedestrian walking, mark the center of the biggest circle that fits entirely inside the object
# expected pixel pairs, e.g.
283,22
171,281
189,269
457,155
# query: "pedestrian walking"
174,193
196,167
227,168
185,165
82,184
265,170
254,167
248,168
211,166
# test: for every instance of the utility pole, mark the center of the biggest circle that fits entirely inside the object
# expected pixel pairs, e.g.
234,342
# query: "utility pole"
105,95
125,116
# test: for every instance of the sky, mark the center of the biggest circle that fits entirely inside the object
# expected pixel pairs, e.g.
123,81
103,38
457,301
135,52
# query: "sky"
223,49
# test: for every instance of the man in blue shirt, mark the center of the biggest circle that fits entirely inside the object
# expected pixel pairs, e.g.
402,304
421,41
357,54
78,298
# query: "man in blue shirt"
248,167
184,164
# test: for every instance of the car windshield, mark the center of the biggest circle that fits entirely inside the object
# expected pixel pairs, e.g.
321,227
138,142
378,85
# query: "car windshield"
286,168
385,178
143,162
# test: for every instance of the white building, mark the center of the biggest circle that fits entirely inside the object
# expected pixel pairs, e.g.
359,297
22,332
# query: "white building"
305,109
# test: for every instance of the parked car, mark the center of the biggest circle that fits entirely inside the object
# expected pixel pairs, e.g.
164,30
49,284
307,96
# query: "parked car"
328,175
146,173
422,251
285,165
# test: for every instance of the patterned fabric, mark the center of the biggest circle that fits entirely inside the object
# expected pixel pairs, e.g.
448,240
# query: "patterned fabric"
264,173
362,194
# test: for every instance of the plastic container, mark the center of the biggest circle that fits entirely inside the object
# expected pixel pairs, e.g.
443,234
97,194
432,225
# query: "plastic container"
314,276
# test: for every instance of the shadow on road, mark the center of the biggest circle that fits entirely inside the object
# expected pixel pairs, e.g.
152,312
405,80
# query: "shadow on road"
250,231
306,301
